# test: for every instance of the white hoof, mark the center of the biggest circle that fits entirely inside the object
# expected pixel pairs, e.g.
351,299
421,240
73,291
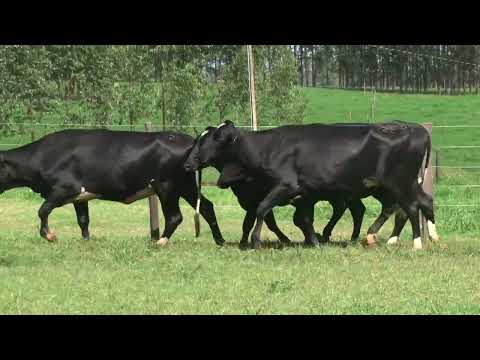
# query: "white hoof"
432,231
417,243
163,241
393,240
371,239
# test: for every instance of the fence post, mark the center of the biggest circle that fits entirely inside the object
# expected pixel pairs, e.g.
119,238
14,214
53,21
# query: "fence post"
427,184
153,205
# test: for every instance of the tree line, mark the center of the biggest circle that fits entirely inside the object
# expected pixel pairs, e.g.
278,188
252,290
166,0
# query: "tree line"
174,85
442,69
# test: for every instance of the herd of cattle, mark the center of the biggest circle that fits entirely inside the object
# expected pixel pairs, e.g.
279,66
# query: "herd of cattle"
295,165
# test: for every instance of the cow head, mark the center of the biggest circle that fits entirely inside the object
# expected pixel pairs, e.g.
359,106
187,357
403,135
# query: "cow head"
210,146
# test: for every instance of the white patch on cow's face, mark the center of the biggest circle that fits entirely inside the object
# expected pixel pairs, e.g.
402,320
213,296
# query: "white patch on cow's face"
419,180
222,124
432,231
82,189
393,240
204,133
417,243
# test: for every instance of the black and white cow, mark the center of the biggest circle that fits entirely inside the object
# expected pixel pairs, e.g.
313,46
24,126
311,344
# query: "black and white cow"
318,162
75,166
250,193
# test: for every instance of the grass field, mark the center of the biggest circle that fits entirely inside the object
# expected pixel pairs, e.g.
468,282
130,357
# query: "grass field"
120,271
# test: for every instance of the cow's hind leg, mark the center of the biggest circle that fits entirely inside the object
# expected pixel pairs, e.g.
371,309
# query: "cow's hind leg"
357,209
400,221
425,202
81,208
247,225
272,225
388,208
338,206
52,202
280,193
303,218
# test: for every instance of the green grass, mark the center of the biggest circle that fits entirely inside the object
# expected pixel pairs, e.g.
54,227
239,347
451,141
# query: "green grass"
119,271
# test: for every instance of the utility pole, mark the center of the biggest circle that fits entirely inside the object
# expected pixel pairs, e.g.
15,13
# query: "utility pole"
251,81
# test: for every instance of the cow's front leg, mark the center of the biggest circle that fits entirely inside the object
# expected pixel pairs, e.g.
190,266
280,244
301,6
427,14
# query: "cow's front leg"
277,195
81,208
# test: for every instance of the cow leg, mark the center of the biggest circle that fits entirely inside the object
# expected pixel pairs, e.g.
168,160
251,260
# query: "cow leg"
248,223
303,218
45,209
272,225
388,208
189,193
357,209
339,206
425,202
400,221
81,208
172,214
410,206
280,193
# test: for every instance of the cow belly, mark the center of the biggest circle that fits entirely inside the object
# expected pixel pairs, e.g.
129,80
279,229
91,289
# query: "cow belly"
141,194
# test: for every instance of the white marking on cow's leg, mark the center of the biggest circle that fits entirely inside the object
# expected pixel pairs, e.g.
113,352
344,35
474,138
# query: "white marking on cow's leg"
393,240
82,189
432,231
51,237
417,243
371,239
163,241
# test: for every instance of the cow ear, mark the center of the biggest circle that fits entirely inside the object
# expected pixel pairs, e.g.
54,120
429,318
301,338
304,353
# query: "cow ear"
224,131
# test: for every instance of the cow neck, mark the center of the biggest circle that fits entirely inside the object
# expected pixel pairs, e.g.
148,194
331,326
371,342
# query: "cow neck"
244,150
20,159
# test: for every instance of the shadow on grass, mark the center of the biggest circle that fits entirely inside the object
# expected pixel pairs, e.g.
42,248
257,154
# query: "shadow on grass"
269,244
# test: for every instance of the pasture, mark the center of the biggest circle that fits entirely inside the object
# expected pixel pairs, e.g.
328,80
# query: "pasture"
119,271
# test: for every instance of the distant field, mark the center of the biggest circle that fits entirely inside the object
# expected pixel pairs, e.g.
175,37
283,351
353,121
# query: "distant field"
120,271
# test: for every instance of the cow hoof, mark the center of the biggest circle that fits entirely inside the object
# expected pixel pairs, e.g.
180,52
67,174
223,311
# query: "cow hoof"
219,242
243,245
256,245
371,240
285,240
354,239
417,244
393,240
51,237
162,242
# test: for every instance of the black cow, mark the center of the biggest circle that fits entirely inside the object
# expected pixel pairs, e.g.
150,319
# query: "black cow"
317,162
74,166
250,193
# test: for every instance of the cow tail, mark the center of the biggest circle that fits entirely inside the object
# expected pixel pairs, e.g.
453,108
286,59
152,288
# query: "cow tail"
198,179
427,159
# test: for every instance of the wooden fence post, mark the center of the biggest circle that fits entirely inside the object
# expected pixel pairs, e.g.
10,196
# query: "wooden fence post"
427,185
153,205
